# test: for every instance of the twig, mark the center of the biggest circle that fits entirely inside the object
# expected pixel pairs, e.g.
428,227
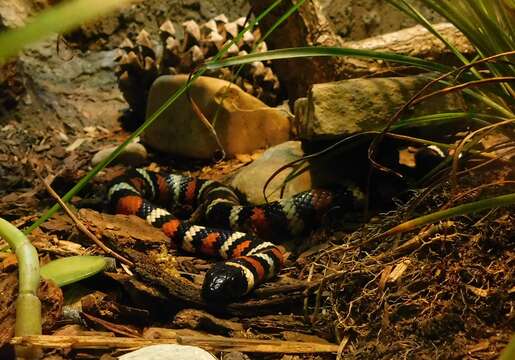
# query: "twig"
318,298
414,242
209,127
80,225
466,85
373,146
213,343
341,347
204,120
305,294
357,136
459,148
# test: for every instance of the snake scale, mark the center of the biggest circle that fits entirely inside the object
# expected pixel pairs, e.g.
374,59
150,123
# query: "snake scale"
244,236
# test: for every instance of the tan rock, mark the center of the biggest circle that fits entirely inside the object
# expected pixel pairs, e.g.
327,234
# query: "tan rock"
347,107
243,123
251,179
134,154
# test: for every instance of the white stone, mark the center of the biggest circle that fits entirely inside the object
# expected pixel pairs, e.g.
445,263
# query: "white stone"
168,352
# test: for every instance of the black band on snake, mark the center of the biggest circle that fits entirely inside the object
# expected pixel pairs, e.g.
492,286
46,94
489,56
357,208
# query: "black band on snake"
243,235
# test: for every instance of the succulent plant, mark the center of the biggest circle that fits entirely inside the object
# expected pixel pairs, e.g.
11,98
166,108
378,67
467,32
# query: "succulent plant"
142,59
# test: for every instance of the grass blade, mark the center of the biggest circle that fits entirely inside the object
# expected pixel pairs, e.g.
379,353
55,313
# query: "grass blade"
311,51
57,19
499,201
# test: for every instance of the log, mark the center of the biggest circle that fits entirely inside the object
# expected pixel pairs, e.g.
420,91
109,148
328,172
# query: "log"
309,27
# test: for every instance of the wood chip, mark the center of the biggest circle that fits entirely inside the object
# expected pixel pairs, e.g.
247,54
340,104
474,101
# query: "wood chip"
398,271
478,292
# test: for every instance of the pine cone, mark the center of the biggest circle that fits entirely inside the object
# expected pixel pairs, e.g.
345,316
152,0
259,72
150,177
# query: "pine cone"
142,60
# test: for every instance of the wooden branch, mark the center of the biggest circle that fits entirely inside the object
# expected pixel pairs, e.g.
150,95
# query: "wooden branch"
213,343
416,41
80,225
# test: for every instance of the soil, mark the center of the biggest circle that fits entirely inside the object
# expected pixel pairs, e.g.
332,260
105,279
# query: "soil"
444,291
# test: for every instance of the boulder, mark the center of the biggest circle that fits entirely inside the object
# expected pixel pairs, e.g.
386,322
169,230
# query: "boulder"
134,154
251,179
322,172
346,107
243,123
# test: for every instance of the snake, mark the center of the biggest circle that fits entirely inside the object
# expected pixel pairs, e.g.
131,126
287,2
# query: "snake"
244,236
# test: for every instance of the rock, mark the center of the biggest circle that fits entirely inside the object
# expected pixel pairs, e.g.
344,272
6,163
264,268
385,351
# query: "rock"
81,90
243,122
168,352
346,107
14,13
133,154
235,355
322,172
251,178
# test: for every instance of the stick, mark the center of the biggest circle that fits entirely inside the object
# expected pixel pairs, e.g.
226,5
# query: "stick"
80,225
214,343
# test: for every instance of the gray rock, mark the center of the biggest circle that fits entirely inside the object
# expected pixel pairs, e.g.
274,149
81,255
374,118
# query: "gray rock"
243,122
251,178
133,154
341,108
79,91
168,352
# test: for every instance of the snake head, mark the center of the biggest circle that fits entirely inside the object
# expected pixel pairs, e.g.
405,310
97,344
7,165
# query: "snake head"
223,284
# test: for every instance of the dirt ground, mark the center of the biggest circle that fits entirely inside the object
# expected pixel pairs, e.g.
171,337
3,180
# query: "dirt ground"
444,291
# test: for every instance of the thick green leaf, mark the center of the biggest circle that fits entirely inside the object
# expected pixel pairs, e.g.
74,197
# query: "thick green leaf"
72,269
28,306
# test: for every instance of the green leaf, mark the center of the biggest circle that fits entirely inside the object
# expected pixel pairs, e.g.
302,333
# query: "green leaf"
509,351
57,19
72,269
439,118
28,306
473,207
312,51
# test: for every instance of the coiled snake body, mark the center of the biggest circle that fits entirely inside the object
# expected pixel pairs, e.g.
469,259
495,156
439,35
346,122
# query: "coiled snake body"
244,233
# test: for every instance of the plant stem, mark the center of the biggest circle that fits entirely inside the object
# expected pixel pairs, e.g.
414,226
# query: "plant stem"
28,306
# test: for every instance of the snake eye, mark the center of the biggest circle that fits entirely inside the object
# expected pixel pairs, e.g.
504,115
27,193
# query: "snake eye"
223,284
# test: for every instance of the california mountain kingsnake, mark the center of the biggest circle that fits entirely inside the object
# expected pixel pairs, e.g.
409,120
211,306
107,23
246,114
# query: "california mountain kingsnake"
244,234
